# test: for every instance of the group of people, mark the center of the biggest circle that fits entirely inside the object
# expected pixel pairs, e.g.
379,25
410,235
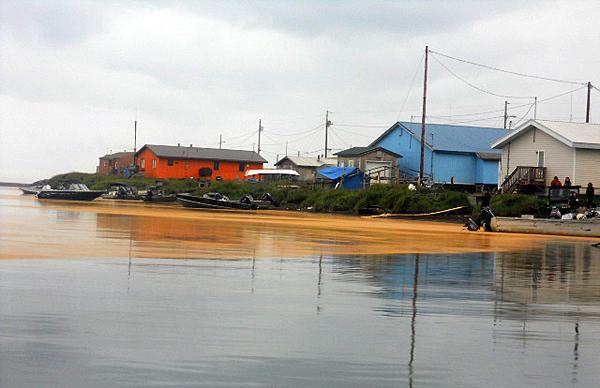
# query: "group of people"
574,201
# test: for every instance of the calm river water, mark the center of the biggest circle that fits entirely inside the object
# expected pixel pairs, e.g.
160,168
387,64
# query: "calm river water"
504,319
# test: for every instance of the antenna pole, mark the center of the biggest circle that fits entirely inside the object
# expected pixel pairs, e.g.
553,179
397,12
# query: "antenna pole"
535,107
260,128
505,113
422,164
589,100
220,141
134,141
327,124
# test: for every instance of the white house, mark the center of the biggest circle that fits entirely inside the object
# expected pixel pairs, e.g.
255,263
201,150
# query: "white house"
564,149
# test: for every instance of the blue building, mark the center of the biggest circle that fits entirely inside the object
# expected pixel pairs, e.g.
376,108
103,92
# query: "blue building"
453,153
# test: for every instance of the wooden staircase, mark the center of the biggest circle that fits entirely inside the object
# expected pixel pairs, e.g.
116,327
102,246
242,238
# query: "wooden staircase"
525,179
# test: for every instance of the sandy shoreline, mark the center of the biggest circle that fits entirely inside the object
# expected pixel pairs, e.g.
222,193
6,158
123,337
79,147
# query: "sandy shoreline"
33,228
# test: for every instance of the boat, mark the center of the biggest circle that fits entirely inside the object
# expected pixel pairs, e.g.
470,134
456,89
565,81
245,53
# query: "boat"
119,190
213,201
30,190
586,228
153,194
70,191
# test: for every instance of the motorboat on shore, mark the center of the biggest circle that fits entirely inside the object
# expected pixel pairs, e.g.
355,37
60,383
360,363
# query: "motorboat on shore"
585,227
71,191
30,190
213,201
119,190
154,194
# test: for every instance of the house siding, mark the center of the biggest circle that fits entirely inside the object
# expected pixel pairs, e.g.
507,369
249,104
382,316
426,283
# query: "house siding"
190,168
460,166
587,167
402,142
307,174
522,151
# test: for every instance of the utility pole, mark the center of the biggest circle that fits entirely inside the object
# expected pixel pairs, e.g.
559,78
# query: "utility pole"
327,125
286,143
422,164
505,113
220,141
535,107
134,143
260,129
589,98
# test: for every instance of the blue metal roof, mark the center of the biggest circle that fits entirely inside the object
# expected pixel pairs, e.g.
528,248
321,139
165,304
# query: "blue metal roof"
452,138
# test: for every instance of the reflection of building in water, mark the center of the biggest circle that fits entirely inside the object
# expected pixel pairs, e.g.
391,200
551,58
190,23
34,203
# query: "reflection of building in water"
176,237
470,275
557,273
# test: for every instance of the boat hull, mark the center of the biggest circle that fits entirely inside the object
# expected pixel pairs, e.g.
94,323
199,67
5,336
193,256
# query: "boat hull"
160,199
70,195
584,228
29,191
195,202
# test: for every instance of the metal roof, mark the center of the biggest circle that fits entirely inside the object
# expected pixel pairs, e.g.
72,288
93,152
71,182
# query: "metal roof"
357,151
451,138
116,155
184,152
302,161
574,135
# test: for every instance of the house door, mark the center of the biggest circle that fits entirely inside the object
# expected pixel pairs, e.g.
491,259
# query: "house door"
541,158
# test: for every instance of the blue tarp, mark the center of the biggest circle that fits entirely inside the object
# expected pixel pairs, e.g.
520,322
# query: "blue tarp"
351,177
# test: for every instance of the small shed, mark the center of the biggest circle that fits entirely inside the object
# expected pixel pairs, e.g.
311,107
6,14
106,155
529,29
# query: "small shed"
379,163
538,150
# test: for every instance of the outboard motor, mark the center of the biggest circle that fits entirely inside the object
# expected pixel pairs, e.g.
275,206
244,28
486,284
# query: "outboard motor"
268,197
483,219
247,198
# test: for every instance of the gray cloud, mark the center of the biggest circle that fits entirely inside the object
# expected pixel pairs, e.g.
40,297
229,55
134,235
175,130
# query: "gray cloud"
74,75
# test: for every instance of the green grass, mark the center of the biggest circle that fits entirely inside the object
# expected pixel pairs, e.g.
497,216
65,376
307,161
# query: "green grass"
514,205
392,198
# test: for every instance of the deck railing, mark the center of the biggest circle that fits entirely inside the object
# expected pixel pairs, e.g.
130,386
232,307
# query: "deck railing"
524,176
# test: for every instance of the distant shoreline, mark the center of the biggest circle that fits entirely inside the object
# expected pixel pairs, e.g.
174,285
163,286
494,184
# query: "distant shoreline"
14,184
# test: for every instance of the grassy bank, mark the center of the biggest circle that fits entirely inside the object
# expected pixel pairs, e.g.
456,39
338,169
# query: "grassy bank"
391,198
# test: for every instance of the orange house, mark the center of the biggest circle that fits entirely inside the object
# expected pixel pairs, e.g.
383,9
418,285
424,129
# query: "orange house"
178,162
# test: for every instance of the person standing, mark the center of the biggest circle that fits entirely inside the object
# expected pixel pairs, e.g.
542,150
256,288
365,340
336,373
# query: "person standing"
574,202
556,182
589,193
567,182
487,197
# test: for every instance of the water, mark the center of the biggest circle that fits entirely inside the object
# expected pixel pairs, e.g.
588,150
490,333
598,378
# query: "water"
503,319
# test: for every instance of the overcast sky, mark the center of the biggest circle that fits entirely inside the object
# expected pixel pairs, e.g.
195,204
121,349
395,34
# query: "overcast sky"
74,75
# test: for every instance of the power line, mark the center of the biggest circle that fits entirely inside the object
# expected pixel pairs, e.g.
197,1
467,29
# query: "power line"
360,125
525,115
412,82
477,87
508,71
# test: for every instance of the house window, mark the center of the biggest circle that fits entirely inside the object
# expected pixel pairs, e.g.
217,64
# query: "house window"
153,163
242,167
351,163
541,158
106,163
216,165
143,165
169,162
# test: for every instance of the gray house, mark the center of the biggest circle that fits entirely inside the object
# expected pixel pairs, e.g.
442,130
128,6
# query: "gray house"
539,150
306,167
377,162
